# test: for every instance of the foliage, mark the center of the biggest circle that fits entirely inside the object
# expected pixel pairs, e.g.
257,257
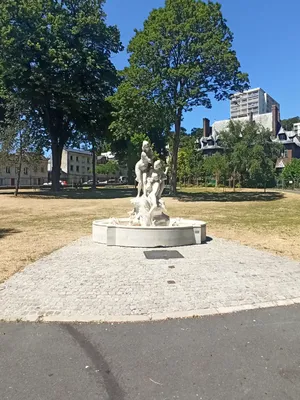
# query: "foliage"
292,171
217,165
134,114
128,151
251,154
57,56
184,165
110,168
94,131
287,124
183,54
17,140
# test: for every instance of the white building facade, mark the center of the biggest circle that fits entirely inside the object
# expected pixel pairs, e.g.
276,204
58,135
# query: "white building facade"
255,101
32,174
296,128
77,166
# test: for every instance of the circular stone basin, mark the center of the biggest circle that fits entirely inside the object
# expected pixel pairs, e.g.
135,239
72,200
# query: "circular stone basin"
185,232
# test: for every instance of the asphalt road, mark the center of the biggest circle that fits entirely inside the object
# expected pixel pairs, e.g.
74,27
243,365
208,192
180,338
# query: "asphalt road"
248,355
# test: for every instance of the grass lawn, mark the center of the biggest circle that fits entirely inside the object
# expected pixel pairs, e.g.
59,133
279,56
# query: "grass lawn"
35,223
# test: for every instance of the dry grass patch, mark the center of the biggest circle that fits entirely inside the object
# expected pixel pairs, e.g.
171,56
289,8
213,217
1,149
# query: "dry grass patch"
34,224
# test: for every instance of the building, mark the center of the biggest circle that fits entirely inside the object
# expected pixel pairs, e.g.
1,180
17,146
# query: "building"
77,166
291,144
32,174
296,128
210,143
255,101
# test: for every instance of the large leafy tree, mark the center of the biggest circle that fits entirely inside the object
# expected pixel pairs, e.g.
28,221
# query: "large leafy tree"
93,127
181,56
251,153
56,54
135,114
217,166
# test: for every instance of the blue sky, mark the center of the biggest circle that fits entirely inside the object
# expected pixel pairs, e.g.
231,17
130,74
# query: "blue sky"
266,41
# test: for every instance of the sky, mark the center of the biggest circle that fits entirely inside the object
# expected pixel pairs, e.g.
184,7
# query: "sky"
266,38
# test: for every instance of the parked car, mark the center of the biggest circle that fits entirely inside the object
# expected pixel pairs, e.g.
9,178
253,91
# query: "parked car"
62,183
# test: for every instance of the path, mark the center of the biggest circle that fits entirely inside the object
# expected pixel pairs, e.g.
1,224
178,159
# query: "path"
89,282
248,355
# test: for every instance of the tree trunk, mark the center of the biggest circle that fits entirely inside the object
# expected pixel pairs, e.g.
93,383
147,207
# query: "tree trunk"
94,167
176,142
233,181
217,180
56,163
19,175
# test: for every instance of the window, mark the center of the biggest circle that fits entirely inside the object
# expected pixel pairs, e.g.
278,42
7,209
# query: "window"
77,168
35,169
71,158
25,171
88,168
88,160
7,169
71,168
77,159
42,169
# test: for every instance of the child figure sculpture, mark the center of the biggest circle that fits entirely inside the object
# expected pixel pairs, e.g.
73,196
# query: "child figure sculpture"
149,209
143,166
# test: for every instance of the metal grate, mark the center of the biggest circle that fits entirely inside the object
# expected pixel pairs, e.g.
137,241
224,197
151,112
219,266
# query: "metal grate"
162,254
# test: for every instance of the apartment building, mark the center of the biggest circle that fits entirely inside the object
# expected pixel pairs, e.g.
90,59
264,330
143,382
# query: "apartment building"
255,101
76,165
32,174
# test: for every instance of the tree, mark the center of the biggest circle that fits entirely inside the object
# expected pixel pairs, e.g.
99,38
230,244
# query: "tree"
184,167
17,144
110,168
57,56
287,124
217,165
183,54
292,171
129,151
134,114
250,152
94,131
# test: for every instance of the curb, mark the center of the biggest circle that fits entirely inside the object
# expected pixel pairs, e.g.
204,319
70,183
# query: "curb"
151,317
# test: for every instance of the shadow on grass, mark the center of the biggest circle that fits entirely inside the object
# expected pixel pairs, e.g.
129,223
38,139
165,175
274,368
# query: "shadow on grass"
7,232
84,194
229,196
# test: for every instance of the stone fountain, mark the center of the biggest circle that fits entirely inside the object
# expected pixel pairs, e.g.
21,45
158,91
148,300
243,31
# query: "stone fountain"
148,224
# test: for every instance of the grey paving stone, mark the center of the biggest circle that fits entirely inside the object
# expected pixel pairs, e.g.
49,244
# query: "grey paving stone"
87,281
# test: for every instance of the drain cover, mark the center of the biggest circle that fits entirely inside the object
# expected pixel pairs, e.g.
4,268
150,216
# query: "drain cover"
162,254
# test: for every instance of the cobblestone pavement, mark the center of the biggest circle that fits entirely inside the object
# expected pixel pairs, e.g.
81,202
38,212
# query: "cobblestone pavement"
90,282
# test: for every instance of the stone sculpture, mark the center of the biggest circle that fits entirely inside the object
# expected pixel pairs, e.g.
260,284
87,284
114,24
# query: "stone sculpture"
149,208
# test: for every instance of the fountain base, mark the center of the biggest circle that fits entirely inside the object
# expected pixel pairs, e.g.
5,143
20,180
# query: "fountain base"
180,232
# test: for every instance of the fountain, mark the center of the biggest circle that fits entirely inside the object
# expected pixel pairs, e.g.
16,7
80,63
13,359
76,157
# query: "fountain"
148,224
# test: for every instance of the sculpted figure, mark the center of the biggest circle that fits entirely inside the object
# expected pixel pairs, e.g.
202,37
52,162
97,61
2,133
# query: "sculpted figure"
157,180
149,208
143,166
